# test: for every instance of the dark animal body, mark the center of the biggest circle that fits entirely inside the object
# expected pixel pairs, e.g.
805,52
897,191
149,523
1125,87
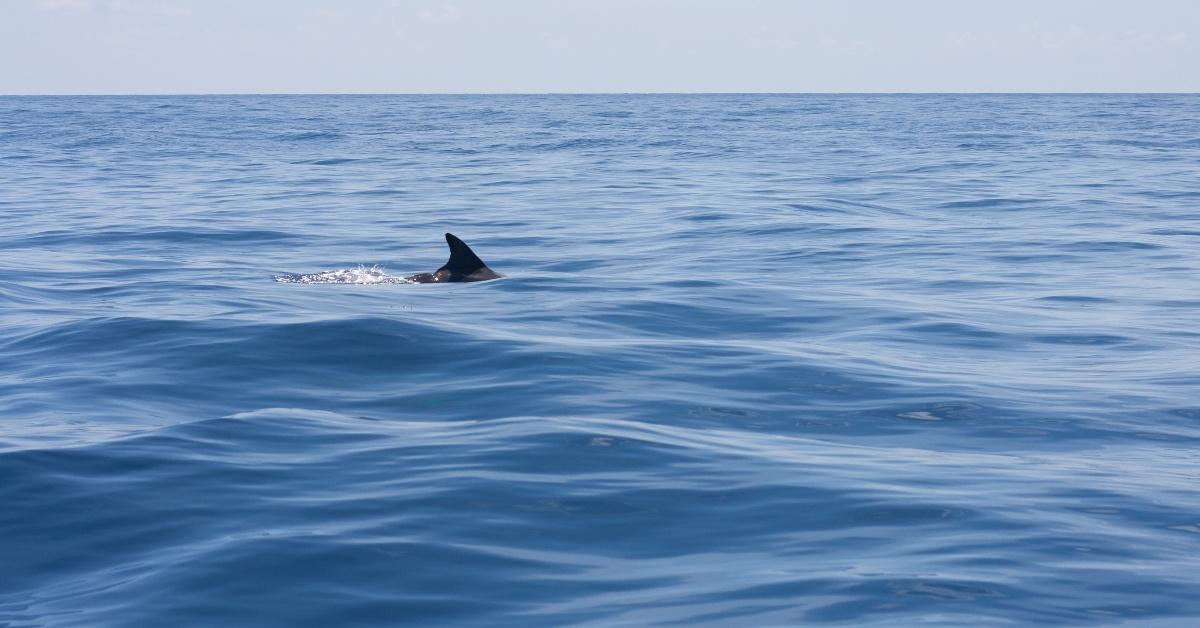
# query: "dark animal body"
463,265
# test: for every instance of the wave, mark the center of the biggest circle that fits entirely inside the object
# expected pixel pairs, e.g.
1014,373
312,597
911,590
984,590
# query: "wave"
311,500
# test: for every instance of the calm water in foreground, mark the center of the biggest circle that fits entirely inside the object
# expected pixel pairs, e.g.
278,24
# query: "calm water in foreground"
758,360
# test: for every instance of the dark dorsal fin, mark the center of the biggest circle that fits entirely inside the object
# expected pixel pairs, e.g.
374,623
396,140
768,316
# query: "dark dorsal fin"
463,261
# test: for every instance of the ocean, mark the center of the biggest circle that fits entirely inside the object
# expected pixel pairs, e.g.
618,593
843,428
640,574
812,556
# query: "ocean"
756,360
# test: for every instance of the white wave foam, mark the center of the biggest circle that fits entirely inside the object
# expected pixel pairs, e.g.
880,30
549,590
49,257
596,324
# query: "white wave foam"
363,275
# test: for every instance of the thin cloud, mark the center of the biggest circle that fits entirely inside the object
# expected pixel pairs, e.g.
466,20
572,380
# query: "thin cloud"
66,5
445,13
160,7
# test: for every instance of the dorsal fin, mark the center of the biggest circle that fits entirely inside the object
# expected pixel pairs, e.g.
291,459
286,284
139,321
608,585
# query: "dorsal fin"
463,261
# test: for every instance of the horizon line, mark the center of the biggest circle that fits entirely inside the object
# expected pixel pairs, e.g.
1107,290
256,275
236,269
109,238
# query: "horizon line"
605,93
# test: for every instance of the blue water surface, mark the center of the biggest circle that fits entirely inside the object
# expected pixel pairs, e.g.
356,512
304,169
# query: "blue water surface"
758,360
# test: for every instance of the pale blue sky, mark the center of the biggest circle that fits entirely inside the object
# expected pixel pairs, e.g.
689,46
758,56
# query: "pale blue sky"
404,46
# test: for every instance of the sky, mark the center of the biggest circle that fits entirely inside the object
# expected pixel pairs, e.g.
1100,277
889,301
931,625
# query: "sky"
539,46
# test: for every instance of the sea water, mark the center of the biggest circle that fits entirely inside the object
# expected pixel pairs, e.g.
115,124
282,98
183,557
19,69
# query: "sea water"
756,360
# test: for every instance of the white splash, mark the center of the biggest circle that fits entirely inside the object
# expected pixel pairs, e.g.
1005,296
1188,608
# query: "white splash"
363,275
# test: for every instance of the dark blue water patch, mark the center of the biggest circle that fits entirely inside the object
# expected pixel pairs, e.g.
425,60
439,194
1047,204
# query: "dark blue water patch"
711,321
1109,246
1179,303
572,266
706,217
989,203
1034,258
1173,232
376,346
613,114
1076,298
955,333
512,182
19,294
691,283
804,207
665,143
781,230
380,192
302,136
390,364
1157,143
330,161
1083,339
1170,194
1187,413
151,236
967,285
